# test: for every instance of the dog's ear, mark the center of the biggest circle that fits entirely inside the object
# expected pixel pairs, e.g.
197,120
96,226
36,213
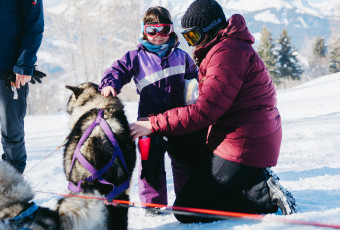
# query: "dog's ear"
76,90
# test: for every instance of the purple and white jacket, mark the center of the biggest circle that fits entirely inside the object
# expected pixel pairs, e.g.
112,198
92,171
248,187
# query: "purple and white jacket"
159,81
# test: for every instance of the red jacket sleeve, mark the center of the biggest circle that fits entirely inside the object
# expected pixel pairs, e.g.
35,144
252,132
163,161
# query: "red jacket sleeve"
220,83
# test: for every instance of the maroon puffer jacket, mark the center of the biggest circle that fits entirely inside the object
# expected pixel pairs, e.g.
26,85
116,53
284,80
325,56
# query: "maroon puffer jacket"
237,99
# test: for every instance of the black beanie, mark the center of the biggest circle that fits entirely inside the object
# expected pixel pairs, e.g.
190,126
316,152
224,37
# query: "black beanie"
205,14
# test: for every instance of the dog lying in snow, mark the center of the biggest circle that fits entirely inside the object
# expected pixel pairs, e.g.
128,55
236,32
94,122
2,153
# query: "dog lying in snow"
109,148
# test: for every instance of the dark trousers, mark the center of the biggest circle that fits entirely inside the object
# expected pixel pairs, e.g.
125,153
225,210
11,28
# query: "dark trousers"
12,113
185,152
219,184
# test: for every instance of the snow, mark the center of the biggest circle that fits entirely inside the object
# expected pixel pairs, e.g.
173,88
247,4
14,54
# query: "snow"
328,7
305,8
267,16
308,166
253,6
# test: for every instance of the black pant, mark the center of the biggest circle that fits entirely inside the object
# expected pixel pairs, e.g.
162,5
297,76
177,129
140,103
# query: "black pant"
188,150
219,184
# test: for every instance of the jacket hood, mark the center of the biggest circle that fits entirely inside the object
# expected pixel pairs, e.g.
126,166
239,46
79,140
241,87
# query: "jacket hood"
236,29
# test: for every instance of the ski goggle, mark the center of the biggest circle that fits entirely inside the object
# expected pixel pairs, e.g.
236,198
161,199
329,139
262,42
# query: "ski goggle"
163,30
193,35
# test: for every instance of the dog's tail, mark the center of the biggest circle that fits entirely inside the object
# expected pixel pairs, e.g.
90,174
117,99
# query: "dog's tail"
82,214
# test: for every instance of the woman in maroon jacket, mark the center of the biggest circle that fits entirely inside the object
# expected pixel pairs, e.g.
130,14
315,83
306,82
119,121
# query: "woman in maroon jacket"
237,101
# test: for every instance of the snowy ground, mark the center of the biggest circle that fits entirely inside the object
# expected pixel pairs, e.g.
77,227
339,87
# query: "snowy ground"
309,163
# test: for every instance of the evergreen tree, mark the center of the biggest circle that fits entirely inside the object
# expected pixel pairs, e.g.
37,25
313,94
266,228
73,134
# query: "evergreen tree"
288,64
319,47
334,60
266,51
318,63
334,55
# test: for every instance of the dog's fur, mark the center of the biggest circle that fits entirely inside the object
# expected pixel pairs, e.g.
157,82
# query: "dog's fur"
72,212
15,196
83,107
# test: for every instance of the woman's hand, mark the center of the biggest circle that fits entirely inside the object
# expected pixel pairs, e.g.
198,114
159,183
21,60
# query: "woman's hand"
140,128
107,90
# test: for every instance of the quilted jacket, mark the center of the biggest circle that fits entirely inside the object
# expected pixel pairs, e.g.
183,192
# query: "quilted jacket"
237,101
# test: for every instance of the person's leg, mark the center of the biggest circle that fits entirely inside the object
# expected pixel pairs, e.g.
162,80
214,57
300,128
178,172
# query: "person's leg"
179,176
153,171
12,113
188,150
223,185
147,194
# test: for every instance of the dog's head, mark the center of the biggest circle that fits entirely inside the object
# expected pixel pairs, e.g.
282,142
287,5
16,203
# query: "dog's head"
85,97
82,95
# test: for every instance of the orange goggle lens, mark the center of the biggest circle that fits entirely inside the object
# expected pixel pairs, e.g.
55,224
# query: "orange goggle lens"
192,37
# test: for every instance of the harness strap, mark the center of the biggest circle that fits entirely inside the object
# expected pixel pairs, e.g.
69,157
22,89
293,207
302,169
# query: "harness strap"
118,190
107,130
97,174
27,213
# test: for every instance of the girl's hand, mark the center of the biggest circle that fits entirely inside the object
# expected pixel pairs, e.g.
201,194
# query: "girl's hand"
107,90
140,128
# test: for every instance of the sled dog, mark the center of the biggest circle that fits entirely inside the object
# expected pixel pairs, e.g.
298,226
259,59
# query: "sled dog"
110,156
17,211
99,146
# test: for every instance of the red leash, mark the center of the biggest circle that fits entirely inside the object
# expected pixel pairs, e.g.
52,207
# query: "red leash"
203,212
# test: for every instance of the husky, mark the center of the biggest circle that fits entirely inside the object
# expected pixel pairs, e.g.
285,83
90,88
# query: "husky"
15,198
18,211
85,106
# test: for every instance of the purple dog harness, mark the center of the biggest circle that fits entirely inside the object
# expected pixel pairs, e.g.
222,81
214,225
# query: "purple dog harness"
97,174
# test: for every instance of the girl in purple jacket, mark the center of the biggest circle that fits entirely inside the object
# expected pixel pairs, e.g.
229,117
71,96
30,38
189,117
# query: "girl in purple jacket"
237,101
159,69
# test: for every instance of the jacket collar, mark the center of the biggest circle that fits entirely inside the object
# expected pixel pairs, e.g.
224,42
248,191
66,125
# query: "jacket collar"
141,47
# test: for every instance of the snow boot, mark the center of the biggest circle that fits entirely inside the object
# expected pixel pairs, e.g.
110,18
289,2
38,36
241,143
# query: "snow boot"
280,196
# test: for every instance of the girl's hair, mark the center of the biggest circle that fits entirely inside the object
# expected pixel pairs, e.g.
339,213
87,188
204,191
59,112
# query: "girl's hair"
159,15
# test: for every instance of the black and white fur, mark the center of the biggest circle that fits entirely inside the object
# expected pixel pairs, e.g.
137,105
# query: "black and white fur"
15,197
72,212
83,107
